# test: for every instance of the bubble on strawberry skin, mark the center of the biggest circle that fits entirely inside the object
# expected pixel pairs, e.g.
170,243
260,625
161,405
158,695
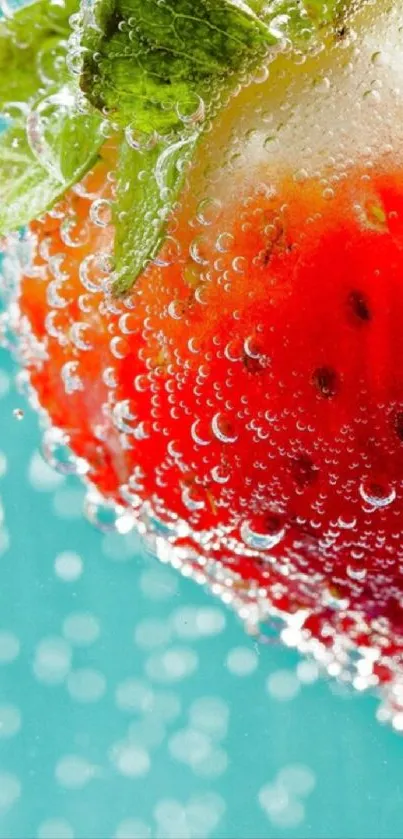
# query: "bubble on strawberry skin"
356,573
263,541
237,399
376,495
106,515
71,378
223,428
59,455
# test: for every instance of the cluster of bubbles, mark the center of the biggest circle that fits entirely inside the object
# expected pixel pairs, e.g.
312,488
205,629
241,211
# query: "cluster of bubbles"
290,117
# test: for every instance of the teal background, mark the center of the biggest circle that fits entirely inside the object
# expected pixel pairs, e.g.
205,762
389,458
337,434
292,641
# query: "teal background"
222,738
133,705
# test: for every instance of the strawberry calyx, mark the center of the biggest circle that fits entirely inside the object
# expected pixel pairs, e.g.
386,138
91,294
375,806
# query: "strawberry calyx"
162,71
245,401
48,139
156,73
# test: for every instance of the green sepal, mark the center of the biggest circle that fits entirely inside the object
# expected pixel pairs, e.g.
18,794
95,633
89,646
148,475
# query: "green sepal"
37,168
47,142
148,185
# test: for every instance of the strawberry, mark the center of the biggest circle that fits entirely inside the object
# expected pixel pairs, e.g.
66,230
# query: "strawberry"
262,405
234,380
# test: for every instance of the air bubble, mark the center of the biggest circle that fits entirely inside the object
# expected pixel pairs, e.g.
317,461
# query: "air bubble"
42,119
106,129
173,449
78,331
262,541
301,175
233,350
55,261
220,475
91,277
252,347
193,346
70,378
223,428
323,85
109,377
55,325
208,211
74,772
225,242
355,573
50,61
53,296
334,600
141,383
176,309
104,514
170,252
140,140
142,430
101,212
128,323
376,495
198,248
58,454
261,74
269,142
347,523
191,498
74,62
74,232
202,439
191,111
123,416
377,58
119,347
239,264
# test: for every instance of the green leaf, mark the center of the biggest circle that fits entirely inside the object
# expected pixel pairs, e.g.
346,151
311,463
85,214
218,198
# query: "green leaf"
37,166
33,45
46,143
161,69
149,183
303,20
148,63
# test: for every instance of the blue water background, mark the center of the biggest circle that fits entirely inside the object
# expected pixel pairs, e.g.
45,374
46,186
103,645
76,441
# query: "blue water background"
95,742
350,777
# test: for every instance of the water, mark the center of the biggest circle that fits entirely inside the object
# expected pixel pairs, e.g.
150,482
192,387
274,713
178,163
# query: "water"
240,408
134,705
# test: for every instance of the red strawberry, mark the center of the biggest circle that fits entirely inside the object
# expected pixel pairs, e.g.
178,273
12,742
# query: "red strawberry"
246,394
251,387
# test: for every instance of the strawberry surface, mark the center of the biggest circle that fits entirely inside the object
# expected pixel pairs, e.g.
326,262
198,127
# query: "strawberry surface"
249,388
